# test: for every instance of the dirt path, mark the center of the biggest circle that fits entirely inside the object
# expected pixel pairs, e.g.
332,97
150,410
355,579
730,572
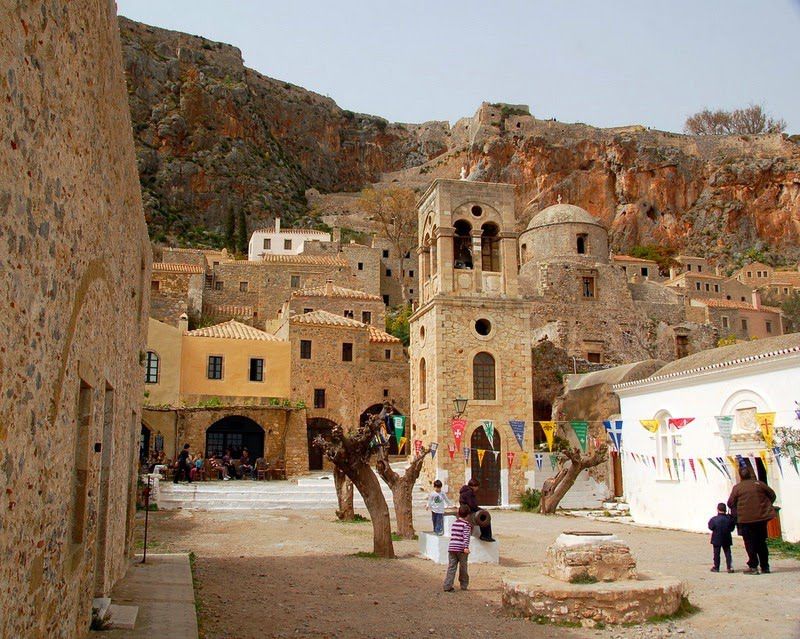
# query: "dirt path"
294,574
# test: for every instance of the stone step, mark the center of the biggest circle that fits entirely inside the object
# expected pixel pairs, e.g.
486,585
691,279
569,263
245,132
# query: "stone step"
123,617
101,604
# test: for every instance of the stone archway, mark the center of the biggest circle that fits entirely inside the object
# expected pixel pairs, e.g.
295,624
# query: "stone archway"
235,432
317,426
374,410
488,472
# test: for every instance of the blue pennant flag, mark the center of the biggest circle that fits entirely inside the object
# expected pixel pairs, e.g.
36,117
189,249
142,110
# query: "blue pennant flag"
518,428
614,431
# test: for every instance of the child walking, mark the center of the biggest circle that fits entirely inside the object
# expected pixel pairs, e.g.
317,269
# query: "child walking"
721,526
437,502
458,550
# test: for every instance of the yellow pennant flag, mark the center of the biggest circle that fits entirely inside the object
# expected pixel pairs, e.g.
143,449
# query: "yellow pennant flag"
549,429
401,444
734,466
764,457
650,424
766,422
481,453
523,459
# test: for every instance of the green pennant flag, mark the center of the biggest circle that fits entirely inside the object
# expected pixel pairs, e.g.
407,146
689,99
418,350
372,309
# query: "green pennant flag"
399,425
488,427
581,429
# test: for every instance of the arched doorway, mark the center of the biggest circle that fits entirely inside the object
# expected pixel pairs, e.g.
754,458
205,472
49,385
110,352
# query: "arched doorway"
235,432
144,445
488,472
374,410
317,426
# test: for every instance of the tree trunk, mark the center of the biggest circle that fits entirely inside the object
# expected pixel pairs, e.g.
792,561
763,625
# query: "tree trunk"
402,490
556,487
368,485
344,494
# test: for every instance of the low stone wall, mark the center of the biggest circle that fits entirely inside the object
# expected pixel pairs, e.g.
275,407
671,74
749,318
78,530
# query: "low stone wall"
631,601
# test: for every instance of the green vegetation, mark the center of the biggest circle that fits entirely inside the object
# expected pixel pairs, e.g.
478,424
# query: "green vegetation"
397,322
583,578
662,255
366,555
150,544
357,519
685,609
728,340
530,500
396,537
784,548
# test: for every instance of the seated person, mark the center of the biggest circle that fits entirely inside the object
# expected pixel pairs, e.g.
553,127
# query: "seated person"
467,496
197,465
227,460
246,466
219,465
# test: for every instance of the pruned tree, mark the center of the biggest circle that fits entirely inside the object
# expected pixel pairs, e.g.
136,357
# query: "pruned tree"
351,452
402,487
751,120
571,462
344,495
394,210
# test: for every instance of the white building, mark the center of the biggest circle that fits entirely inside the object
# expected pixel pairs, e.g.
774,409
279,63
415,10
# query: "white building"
278,241
672,477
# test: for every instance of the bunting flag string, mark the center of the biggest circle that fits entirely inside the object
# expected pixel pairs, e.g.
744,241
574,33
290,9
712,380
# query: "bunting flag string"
715,465
776,451
481,453
724,467
703,467
669,467
399,426
539,458
691,465
677,472
496,454
457,426
466,455
794,463
523,459
451,450
401,444
434,448
549,429
488,428
581,429
763,455
518,428
766,422
680,422
725,426
510,458
650,424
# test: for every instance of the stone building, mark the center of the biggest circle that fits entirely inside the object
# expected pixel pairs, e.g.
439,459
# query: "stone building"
637,268
277,241
342,370
738,319
345,302
76,267
176,288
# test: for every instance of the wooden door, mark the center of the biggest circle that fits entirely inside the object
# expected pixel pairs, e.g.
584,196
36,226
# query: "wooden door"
488,472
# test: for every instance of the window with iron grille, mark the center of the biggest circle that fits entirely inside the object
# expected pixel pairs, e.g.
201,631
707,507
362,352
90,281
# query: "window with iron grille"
151,368
347,352
483,373
243,287
256,369
366,317
295,281
287,245
267,243
305,349
319,398
215,367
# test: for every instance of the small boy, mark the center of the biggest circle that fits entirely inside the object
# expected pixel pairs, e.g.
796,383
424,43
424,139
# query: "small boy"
458,550
721,526
437,502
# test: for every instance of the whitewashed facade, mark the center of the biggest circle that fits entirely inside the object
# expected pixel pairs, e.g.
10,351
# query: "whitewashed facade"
740,380
277,241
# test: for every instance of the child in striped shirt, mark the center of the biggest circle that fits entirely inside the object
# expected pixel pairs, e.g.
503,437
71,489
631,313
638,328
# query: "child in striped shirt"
458,550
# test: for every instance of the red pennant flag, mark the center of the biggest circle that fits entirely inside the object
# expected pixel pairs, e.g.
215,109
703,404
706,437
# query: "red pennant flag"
691,465
680,422
458,426
451,450
510,458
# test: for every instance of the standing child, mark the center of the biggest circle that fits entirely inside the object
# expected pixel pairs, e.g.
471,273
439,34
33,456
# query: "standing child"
458,550
437,502
721,526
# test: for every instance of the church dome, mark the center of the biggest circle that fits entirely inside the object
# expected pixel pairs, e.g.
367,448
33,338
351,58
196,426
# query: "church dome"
562,214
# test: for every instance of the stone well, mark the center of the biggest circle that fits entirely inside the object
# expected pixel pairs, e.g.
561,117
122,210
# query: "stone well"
590,578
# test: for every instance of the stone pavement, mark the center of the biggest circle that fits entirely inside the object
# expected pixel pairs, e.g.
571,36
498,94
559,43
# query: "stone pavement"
162,588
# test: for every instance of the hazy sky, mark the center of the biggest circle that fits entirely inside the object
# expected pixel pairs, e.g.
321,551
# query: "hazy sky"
604,62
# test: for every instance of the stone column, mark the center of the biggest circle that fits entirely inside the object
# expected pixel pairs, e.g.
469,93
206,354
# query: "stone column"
477,261
508,263
444,260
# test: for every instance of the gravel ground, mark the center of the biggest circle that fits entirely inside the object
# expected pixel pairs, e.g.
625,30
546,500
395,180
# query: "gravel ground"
294,574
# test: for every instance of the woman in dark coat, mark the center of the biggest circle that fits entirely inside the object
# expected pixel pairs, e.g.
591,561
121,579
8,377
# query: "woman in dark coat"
752,501
468,497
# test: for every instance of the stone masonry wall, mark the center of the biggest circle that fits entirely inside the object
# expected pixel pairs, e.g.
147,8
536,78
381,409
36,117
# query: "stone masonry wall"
75,265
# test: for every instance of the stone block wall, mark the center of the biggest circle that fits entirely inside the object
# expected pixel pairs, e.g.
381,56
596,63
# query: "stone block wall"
175,294
75,265
338,305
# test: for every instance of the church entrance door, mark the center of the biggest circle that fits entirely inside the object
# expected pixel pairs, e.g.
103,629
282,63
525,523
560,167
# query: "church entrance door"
488,472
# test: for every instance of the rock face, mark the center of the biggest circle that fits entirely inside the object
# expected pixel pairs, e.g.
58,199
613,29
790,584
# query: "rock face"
215,138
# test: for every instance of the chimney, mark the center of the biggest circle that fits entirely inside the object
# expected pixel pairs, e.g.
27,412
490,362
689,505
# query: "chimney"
756,299
672,273
328,287
718,270
277,224
183,323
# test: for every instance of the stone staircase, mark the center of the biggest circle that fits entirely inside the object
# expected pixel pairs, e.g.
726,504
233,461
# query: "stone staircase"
308,493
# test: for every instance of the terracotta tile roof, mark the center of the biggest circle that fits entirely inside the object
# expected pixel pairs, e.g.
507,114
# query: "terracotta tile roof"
228,309
376,335
721,303
292,231
630,258
785,277
320,260
233,330
324,318
169,267
331,290
724,357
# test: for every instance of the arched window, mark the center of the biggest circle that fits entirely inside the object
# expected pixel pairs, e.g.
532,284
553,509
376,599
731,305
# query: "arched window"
490,247
462,245
483,385
423,382
151,368
426,243
523,253
581,243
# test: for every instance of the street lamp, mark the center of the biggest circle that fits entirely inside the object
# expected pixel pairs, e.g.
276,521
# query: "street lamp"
460,405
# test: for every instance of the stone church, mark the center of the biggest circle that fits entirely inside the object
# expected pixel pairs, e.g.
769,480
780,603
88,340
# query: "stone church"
492,303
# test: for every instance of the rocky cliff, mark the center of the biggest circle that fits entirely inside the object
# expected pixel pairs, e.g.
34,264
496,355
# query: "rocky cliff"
215,137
